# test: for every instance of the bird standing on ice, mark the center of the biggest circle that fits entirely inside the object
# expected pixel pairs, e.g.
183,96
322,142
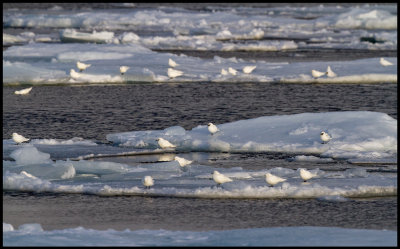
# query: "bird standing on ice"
212,128
148,181
182,161
164,144
325,137
317,74
224,72
248,69
23,91
232,71
385,62
172,63
75,75
172,73
123,69
330,73
82,66
220,178
306,175
19,138
273,179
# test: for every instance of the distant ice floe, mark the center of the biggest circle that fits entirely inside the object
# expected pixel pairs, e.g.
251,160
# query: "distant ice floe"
41,63
361,19
112,42
33,234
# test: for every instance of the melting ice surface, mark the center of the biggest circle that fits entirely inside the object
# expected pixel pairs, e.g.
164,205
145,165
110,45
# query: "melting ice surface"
133,37
357,136
34,235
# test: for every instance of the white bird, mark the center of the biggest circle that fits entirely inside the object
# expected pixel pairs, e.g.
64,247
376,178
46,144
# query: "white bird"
19,138
232,71
325,137
224,72
306,175
330,73
123,69
317,74
23,91
172,63
273,179
182,161
385,62
164,144
220,178
74,74
172,73
82,66
248,69
212,128
148,181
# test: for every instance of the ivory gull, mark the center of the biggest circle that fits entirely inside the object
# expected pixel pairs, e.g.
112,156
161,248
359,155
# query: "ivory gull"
148,181
220,178
212,128
82,66
164,144
273,179
325,137
306,175
19,138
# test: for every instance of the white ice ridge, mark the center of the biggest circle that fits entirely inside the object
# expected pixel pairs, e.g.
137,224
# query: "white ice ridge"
355,134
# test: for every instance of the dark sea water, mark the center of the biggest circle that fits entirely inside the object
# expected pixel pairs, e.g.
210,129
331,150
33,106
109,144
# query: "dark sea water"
134,212
92,112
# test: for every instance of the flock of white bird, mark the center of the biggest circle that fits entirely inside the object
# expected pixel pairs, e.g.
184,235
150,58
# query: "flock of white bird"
173,73
219,178
317,74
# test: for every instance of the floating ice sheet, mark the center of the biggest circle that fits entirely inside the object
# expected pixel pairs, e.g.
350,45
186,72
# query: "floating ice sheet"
355,134
47,63
194,181
34,235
